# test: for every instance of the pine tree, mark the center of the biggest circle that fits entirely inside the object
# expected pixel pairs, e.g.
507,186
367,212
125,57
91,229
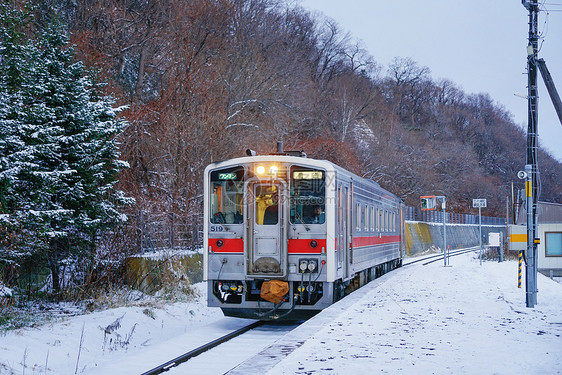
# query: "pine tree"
17,241
59,180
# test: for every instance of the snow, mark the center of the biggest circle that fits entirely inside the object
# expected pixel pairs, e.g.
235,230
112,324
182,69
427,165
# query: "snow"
5,291
463,319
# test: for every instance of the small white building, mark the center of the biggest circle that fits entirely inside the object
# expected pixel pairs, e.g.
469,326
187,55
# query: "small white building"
549,232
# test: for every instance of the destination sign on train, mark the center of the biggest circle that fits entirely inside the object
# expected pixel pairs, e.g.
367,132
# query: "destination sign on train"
307,175
227,176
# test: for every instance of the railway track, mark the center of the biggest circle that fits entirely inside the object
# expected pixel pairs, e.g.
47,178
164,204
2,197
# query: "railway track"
437,257
197,351
221,340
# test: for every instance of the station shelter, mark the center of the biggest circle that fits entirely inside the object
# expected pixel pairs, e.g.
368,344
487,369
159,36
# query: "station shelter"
549,217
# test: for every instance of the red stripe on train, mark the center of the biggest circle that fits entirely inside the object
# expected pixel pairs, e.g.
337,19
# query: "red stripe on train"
298,246
302,246
375,240
229,245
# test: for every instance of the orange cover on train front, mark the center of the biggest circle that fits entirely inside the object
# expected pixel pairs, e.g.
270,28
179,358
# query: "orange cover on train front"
274,290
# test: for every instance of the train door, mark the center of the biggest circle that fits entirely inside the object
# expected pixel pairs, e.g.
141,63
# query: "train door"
402,230
340,243
349,229
265,232
343,244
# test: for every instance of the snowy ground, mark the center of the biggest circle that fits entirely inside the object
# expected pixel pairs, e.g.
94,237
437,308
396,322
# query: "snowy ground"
463,319
107,337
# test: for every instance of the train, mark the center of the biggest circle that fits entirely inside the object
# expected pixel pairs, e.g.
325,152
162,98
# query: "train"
286,236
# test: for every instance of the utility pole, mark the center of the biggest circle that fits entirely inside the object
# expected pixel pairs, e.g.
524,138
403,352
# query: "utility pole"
531,167
445,252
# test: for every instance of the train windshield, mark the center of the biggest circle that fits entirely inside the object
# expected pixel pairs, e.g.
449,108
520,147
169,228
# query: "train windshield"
307,195
227,192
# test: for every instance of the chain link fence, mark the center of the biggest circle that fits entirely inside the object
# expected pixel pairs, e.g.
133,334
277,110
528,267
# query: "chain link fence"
416,214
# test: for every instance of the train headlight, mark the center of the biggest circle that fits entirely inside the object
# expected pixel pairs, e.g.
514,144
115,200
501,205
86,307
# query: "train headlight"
273,170
303,265
260,170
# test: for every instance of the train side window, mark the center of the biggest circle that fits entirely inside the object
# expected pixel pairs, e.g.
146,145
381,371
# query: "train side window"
366,221
385,220
357,217
227,191
378,215
371,219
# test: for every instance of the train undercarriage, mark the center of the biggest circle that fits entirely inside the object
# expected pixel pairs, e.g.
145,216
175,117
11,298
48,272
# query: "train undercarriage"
304,298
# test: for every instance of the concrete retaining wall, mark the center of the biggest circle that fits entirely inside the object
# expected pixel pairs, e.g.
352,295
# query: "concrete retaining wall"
421,237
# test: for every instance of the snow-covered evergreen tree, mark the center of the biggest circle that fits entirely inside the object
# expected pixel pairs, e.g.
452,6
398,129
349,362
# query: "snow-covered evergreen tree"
16,70
60,165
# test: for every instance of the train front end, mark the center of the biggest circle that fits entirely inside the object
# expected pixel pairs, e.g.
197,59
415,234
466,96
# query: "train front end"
268,244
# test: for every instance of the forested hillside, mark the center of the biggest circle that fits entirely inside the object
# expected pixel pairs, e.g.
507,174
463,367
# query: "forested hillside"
205,79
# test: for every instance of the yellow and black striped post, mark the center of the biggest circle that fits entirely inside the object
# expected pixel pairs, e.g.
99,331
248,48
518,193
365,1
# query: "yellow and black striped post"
519,273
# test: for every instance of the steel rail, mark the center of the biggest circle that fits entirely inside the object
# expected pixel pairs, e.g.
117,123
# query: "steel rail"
438,257
195,352
459,252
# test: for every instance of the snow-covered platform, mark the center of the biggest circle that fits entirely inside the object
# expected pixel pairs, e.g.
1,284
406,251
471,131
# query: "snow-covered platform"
464,319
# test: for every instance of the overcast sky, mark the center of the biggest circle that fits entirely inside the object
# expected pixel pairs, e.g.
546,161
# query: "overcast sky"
478,44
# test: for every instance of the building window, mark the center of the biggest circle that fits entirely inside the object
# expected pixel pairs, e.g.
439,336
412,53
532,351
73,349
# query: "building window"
553,244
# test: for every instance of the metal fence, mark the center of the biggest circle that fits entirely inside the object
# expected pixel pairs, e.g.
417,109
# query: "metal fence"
416,214
157,231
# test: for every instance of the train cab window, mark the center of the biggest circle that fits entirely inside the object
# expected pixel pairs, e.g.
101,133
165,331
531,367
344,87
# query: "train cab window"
227,191
308,193
267,205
